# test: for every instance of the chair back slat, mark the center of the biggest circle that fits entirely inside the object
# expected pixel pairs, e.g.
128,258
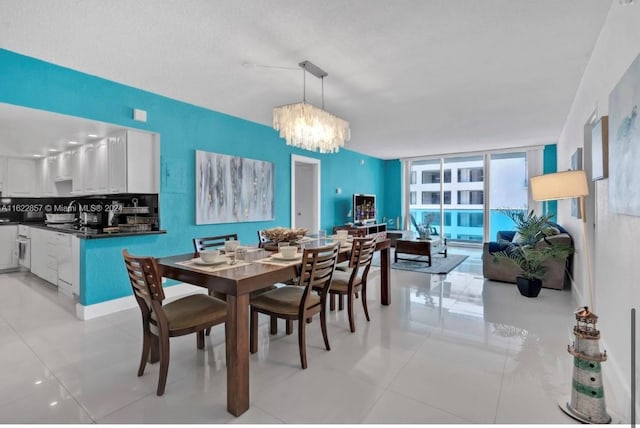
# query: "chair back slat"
318,265
212,242
146,283
361,257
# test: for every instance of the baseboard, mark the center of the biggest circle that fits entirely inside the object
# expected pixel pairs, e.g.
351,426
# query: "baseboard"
116,305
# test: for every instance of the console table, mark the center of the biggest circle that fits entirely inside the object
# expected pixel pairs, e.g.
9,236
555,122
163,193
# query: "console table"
365,229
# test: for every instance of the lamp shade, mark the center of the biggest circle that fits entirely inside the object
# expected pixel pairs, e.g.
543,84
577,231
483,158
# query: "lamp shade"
559,185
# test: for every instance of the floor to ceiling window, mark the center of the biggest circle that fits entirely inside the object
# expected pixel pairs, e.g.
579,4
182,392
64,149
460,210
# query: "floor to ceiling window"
460,197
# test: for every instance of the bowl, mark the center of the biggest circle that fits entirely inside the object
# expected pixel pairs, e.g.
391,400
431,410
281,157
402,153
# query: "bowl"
231,245
288,252
210,256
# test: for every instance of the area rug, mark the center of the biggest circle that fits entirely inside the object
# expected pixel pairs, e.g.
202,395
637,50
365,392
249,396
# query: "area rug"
439,263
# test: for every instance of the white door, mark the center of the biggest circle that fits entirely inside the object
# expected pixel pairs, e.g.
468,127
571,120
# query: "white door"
305,193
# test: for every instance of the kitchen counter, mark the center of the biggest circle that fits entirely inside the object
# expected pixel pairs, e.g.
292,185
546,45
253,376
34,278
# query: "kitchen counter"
83,235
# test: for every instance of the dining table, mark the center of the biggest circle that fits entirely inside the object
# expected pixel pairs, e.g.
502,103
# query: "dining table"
237,281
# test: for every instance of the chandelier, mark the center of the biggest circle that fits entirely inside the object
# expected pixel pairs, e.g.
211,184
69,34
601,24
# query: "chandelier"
308,127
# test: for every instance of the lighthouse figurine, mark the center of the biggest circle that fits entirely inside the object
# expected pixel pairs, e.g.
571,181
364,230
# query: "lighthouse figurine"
587,392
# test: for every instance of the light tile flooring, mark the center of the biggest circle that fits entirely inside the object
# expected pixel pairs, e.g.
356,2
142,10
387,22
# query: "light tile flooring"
450,349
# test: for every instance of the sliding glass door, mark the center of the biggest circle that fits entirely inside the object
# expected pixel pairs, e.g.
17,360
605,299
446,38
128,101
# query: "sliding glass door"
460,197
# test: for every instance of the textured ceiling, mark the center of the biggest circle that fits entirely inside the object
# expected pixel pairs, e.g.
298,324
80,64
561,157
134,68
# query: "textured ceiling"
413,77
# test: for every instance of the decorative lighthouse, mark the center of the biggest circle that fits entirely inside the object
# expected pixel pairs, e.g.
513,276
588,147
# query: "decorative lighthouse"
587,393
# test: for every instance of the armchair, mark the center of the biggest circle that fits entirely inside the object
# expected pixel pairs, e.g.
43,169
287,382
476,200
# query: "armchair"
558,271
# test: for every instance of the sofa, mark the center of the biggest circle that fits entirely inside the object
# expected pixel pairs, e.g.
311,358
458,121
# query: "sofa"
558,274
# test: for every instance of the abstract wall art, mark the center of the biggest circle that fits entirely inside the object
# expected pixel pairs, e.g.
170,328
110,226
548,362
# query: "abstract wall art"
232,189
624,143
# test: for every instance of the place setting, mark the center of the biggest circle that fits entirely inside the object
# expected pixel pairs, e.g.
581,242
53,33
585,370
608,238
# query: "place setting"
214,260
286,255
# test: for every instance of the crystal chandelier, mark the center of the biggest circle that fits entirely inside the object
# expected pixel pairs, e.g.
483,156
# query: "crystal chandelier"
308,127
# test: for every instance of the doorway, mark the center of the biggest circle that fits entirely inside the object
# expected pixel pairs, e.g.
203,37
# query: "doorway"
305,192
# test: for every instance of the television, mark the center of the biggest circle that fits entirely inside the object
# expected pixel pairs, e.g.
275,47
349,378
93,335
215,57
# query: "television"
364,208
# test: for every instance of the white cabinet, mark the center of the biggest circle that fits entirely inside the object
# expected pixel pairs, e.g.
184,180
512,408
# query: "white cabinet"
3,172
77,161
134,163
63,171
43,263
95,167
54,260
46,176
21,178
8,246
64,263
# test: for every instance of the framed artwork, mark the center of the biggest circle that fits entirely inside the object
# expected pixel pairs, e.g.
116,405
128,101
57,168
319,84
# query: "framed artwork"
624,143
576,164
232,189
600,149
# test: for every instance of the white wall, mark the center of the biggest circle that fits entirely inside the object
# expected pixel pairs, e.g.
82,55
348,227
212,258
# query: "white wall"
617,265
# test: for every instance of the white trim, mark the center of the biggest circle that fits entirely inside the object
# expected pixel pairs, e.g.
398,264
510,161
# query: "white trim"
128,302
312,161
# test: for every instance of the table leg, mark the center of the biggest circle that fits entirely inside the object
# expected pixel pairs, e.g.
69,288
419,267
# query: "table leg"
385,274
237,340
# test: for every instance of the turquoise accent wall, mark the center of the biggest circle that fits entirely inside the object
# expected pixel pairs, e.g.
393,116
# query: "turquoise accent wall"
549,165
393,192
183,129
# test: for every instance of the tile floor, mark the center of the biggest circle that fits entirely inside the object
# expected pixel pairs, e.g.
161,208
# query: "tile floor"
450,349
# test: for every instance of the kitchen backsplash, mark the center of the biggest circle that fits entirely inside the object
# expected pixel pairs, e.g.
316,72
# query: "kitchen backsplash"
107,209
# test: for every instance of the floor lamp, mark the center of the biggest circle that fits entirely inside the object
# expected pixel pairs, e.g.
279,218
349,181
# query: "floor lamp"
587,402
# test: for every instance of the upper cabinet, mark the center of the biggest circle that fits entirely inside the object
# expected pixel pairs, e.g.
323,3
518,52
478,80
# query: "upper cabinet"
95,168
64,166
3,172
127,162
134,163
21,178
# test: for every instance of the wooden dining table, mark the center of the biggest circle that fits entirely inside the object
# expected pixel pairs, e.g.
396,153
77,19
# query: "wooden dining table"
237,282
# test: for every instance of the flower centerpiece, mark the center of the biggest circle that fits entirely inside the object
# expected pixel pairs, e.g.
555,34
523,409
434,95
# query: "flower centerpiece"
282,234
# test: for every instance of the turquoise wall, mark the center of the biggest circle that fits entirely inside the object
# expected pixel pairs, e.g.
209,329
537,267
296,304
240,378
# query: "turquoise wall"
549,165
392,208
183,129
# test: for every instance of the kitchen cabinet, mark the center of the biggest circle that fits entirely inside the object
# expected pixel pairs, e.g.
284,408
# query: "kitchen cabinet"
46,176
3,172
21,178
134,163
44,262
54,260
77,161
63,170
95,167
8,246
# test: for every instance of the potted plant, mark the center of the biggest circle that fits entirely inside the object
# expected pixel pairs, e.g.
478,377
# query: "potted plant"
531,259
530,249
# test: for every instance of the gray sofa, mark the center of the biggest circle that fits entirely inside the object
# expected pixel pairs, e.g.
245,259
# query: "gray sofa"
558,271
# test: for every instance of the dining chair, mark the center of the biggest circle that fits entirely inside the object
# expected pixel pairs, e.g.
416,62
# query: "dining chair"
262,239
212,242
355,280
190,314
299,302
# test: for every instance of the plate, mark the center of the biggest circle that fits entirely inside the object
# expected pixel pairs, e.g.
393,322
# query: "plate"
201,262
279,256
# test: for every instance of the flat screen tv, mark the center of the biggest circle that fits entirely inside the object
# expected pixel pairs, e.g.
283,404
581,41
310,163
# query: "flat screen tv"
364,208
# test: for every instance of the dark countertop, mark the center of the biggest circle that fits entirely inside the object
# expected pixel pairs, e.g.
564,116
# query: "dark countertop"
83,235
